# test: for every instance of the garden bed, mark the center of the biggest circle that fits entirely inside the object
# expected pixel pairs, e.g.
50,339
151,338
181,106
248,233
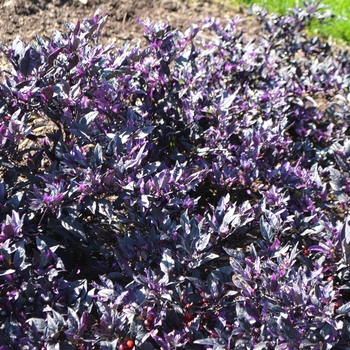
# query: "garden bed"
190,192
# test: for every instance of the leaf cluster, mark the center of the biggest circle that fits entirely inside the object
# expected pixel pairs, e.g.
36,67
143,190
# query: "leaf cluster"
134,178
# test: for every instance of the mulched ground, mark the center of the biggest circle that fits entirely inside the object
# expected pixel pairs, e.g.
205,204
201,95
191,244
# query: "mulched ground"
27,18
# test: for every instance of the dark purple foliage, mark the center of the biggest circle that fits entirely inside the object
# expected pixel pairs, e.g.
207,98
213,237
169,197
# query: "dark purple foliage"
134,179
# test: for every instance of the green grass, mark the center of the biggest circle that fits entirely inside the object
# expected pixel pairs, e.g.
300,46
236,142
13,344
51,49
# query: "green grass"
338,29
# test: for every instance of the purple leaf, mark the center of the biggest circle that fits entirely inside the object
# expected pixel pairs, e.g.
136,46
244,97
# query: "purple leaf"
73,321
167,263
20,257
105,208
266,230
74,227
344,309
38,323
98,156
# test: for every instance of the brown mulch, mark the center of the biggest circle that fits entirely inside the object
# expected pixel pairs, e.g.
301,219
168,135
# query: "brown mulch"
26,18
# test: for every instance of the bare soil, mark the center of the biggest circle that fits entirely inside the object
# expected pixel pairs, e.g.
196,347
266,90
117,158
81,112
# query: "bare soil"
27,18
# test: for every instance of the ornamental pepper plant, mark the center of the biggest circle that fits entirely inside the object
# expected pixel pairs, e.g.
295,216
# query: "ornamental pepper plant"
188,192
